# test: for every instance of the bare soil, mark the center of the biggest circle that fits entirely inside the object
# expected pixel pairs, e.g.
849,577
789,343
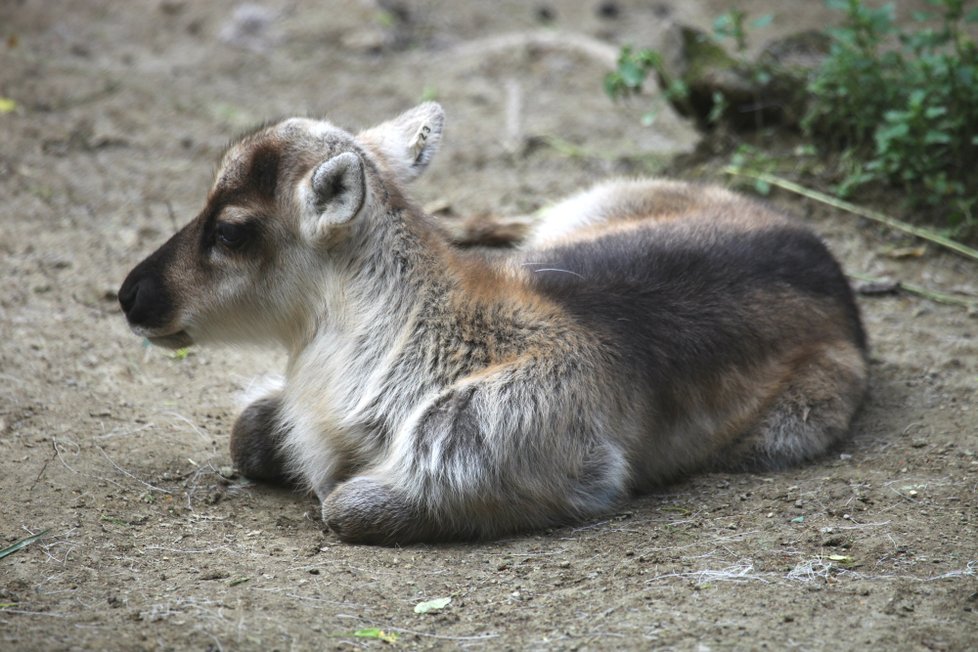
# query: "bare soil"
119,451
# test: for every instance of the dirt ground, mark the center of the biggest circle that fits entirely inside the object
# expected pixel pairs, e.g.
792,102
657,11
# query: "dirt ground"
119,451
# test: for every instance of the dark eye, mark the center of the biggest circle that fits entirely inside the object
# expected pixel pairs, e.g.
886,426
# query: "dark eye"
231,236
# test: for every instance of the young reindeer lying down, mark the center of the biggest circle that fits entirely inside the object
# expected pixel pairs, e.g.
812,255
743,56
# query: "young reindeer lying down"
647,329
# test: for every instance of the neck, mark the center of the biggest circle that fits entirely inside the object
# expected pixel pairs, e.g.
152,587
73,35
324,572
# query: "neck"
371,299
371,355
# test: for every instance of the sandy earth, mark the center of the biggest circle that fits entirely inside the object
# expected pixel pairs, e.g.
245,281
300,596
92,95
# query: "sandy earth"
120,451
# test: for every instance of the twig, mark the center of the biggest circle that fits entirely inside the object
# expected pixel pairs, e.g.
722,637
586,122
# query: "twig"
601,52
876,216
55,443
23,612
968,571
130,475
741,572
188,422
444,637
933,295
173,216
44,467
513,137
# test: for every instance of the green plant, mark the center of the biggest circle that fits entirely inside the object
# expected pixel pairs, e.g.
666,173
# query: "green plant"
635,65
902,104
633,68
731,25
751,161
630,73
689,91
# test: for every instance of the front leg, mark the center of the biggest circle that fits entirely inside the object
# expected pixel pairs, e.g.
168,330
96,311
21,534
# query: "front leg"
256,442
510,452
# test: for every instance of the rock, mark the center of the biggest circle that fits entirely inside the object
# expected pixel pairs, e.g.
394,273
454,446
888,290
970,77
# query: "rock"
770,90
250,28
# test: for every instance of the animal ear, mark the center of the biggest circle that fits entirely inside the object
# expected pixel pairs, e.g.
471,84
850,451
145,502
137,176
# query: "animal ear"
338,190
408,142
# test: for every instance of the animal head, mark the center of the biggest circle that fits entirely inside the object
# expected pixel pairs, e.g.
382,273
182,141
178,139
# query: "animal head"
285,201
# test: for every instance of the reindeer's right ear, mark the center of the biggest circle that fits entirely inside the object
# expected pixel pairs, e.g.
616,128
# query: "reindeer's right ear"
408,142
338,192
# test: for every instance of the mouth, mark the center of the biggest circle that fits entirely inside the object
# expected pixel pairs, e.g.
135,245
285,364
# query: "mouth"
178,340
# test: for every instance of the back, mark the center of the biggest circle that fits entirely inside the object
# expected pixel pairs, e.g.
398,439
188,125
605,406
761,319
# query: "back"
681,301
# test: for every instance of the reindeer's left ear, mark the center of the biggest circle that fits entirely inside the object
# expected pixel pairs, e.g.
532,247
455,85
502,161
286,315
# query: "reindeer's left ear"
338,193
408,142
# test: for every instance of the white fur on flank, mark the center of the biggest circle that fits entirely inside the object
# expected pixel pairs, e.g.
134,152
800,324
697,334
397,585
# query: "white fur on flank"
584,209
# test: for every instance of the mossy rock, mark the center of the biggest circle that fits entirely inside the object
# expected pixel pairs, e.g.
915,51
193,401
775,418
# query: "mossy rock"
768,91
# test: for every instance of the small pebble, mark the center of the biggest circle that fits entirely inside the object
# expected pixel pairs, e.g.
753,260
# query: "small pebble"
609,9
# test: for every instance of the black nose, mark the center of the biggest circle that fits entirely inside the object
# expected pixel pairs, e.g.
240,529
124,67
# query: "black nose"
145,296
146,300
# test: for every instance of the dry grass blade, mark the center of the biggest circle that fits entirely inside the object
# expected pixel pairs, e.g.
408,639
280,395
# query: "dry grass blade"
933,295
876,216
23,543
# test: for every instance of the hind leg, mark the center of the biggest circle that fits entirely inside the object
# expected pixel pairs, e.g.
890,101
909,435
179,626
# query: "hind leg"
367,510
812,412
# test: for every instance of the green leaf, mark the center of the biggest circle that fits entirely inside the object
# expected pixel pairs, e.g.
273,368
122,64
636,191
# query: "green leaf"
181,354
649,58
896,116
899,130
431,605
7,105
762,21
723,25
613,86
376,633
385,19
631,73
23,543
798,519
971,16
719,107
917,97
678,90
934,137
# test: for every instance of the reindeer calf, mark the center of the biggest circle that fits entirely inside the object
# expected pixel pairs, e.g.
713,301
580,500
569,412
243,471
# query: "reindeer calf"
645,330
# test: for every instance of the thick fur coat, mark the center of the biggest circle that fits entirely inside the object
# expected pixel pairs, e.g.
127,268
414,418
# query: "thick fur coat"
644,330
